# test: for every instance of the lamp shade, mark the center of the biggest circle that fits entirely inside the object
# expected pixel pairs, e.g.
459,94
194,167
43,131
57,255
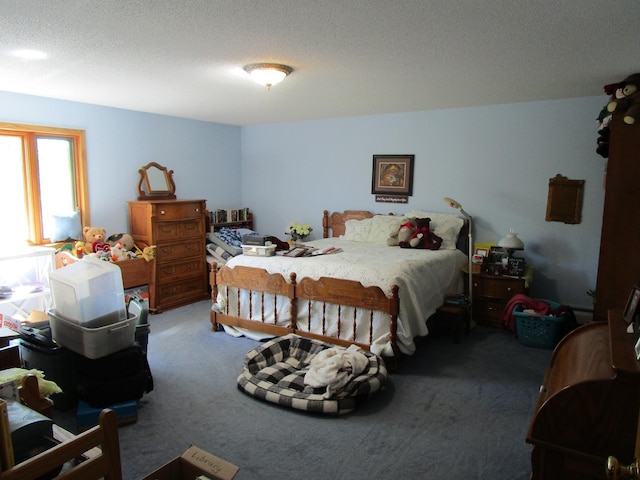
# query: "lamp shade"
454,204
511,241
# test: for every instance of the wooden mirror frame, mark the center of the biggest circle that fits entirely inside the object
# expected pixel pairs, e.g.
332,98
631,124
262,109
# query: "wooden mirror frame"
564,201
156,182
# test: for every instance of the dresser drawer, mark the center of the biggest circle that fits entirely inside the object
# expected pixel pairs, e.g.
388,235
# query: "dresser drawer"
177,210
177,251
182,292
497,287
167,231
192,267
488,312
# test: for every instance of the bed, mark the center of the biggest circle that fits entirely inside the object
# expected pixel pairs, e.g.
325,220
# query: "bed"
370,294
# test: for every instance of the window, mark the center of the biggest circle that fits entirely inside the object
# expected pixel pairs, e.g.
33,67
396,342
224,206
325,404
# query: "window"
43,186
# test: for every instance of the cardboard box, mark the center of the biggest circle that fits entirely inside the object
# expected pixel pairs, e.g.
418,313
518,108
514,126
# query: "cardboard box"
191,464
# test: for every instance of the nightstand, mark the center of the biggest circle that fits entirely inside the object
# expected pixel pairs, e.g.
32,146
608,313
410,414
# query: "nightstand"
491,294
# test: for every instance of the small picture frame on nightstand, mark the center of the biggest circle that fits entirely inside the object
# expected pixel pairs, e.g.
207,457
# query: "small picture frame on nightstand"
633,304
516,266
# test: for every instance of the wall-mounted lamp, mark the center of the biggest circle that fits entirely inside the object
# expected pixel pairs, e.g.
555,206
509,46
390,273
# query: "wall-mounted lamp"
268,74
453,204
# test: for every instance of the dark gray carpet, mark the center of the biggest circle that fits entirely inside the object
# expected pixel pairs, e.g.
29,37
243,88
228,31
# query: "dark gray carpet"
450,412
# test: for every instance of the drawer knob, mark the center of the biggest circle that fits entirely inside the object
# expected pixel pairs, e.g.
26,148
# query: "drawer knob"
197,209
161,212
509,289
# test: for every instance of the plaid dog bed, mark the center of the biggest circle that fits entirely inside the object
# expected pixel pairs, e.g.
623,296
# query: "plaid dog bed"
275,372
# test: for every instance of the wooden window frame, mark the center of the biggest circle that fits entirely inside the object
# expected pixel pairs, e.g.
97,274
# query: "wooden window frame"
29,133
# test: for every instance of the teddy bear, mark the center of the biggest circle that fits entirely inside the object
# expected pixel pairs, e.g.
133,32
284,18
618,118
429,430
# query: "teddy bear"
402,235
149,253
124,239
629,104
422,236
615,92
93,239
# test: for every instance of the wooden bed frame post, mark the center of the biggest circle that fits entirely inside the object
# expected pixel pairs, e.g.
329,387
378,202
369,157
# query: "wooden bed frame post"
214,295
293,308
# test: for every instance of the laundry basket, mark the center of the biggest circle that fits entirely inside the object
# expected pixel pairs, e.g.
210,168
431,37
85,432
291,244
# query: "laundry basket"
540,331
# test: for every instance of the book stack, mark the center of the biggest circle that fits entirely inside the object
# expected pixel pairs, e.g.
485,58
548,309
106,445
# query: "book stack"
229,215
457,299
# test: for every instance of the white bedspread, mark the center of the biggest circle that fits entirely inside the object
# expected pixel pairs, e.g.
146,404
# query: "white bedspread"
424,277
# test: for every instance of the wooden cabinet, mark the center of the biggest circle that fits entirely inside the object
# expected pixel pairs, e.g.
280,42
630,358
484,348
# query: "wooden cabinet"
177,229
619,263
491,294
587,408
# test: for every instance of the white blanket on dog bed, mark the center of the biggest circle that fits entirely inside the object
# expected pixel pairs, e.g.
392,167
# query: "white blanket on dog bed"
335,367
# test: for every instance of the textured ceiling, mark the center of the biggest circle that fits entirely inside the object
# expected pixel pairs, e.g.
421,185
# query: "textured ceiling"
351,57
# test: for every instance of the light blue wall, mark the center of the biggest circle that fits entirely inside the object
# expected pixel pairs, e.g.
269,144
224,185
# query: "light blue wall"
496,161
205,157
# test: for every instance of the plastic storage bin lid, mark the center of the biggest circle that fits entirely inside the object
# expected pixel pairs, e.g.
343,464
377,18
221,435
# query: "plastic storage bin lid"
90,290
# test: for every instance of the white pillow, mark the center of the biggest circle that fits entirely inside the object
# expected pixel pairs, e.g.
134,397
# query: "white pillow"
65,227
444,225
376,229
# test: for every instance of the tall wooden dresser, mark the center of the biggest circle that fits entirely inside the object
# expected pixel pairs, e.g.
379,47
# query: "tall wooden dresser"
177,229
619,262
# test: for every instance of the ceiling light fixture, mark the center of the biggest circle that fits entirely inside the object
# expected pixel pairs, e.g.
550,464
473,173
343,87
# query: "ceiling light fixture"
268,74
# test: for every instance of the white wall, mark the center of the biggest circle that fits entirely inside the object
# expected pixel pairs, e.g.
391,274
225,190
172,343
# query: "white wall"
496,161
205,157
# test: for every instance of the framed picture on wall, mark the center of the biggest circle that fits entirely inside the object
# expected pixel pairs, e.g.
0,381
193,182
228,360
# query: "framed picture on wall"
392,174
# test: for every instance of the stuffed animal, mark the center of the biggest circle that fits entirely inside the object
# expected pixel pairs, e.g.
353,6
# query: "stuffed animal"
402,235
422,236
93,239
630,103
117,252
149,253
604,119
124,239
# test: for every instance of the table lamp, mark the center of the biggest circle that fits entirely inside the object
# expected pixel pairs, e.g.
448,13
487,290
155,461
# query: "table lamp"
510,242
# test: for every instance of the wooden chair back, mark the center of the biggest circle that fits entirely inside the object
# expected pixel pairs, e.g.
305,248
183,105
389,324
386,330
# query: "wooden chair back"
103,464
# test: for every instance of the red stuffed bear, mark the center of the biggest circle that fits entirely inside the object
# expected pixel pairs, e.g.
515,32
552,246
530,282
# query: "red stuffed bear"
422,236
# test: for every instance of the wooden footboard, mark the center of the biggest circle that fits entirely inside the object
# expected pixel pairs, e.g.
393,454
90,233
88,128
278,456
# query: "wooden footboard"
353,304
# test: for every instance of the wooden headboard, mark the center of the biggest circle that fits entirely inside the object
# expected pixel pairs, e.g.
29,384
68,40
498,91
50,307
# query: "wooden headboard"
333,225
336,221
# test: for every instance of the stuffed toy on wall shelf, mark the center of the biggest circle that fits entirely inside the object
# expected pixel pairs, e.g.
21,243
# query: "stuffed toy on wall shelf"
629,104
